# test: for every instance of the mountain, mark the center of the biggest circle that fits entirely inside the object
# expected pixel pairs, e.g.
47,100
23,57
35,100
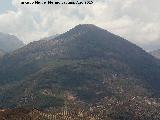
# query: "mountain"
85,66
151,45
155,53
9,43
1,53
50,37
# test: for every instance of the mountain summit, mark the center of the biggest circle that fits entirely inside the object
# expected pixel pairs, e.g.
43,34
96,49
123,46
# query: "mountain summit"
82,41
86,63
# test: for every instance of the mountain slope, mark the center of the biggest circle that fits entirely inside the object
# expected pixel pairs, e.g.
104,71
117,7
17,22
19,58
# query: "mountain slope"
85,64
155,53
9,43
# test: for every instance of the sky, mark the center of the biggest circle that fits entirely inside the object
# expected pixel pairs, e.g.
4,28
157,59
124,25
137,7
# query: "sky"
135,20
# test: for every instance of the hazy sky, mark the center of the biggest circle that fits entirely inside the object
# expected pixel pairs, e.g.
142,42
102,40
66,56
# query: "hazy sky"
135,20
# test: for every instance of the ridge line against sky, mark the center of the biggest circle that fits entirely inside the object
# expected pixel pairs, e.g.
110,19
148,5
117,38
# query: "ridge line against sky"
135,20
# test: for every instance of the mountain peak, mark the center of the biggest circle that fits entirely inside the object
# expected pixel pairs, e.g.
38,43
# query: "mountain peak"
86,27
80,29
9,43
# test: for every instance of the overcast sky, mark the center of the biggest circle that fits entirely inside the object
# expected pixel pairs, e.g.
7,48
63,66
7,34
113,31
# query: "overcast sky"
135,20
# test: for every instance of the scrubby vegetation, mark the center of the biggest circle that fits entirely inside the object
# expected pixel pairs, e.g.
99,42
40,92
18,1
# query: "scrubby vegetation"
86,73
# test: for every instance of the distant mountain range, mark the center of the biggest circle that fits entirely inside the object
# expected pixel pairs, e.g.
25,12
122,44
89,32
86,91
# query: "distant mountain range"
156,53
1,53
85,65
50,37
9,43
151,45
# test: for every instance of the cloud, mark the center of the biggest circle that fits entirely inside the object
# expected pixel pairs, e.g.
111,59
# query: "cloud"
136,20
